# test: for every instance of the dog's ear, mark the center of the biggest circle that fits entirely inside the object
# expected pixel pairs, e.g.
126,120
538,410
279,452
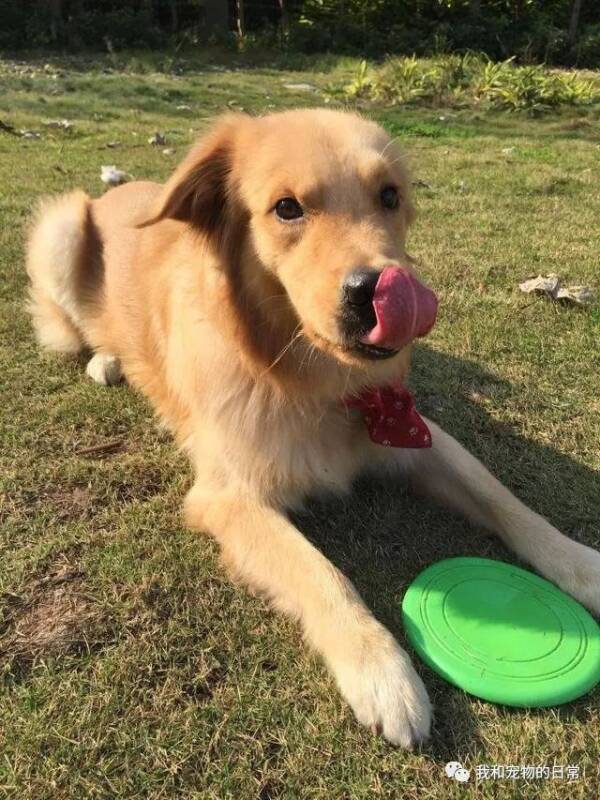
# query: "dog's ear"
199,190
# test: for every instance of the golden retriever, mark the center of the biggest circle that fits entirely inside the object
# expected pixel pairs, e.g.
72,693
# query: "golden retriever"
264,302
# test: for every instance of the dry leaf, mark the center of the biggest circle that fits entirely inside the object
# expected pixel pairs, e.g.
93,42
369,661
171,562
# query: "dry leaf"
541,285
299,87
112,176
578,295
158,139
550,285
64,124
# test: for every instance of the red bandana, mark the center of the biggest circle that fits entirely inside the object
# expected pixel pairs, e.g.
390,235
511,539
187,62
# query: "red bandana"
391,417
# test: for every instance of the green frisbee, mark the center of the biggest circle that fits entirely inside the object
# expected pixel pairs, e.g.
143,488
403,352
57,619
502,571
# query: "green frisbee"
502,633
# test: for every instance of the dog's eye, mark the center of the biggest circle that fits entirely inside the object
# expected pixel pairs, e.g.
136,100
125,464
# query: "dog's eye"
389,197
287,209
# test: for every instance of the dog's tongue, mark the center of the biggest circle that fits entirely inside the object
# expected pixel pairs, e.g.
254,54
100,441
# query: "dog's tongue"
404,309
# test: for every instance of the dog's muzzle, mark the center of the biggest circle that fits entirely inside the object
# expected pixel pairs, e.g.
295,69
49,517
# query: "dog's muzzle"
384,310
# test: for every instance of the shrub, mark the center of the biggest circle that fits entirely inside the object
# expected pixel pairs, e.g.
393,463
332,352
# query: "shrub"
469,80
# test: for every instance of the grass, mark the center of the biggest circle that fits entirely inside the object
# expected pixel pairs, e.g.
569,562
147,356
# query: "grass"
131,667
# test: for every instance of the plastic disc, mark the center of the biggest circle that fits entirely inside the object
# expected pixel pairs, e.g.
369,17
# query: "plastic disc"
502,633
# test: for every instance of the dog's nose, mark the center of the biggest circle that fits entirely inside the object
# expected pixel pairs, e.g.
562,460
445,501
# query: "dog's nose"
359,286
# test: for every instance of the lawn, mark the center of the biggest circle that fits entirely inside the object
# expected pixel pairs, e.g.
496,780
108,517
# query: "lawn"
131,667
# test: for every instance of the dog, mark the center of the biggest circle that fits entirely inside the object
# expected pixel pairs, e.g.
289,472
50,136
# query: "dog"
264,301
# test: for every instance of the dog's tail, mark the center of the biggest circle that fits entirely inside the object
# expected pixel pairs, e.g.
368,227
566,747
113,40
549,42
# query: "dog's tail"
56,252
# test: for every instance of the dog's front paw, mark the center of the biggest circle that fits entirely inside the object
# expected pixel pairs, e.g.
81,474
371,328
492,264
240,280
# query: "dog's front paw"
577,572
104,369
384,690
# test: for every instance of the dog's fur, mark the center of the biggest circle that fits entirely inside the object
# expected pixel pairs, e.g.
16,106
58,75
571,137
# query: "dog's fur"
227,320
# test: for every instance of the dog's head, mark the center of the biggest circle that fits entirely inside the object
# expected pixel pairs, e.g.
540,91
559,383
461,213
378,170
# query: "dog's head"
307,212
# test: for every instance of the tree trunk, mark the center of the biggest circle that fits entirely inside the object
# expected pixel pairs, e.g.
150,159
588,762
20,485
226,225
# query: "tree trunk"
174,15
56,23
240,22
518,8
574,23
284,17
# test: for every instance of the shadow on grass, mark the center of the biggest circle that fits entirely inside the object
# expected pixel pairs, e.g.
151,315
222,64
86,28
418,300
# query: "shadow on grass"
383,536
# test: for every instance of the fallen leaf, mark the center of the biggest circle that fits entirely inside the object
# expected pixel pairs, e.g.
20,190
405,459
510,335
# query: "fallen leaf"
578,295
550,286
300,87
184,107
169,151
64,124
541,285
158,139
112,176
31,135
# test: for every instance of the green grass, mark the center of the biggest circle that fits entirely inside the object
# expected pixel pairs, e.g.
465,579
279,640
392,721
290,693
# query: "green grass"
131,666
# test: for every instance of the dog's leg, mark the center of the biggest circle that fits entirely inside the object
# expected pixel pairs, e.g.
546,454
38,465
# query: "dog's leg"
269,554
105,369
455,477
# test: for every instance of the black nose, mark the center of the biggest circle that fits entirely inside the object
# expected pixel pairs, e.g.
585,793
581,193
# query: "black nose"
357,312
359,286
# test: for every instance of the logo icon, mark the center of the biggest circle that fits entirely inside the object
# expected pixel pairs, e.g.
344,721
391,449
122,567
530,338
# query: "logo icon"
454,769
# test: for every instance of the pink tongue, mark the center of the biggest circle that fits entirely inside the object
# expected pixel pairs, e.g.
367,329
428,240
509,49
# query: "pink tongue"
404,309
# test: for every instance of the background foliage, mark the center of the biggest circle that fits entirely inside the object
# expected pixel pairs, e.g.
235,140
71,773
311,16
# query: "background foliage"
559,31
554,31
470,79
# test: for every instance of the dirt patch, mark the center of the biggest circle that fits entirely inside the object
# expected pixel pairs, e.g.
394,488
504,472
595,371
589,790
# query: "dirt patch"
67,503
72,503
53,617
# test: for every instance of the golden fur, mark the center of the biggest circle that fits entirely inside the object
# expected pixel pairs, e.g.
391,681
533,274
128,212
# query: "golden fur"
227,320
